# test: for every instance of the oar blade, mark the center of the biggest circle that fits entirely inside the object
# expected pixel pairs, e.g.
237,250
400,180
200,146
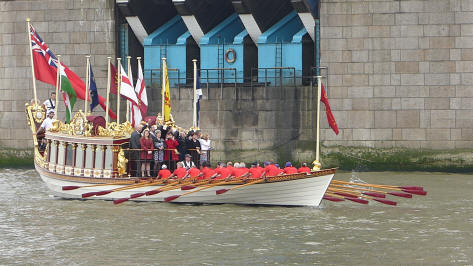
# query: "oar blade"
416,192
171,198
412,188
152,192
88,194
361,201
387,202
221,191
70,187
334,199
188,187
118,201
136,195
400,194
375,194
104,192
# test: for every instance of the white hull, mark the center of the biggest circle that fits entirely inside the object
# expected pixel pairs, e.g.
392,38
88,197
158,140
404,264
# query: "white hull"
298,192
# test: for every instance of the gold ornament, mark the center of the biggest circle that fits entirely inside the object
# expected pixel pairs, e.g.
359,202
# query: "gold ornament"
121,164
317,166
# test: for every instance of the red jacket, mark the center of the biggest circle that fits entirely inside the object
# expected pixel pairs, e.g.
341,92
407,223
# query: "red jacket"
304,169
171,144
146,145
164,173
290,170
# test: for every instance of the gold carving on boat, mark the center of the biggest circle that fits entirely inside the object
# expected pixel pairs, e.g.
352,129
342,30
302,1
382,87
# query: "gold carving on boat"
121,164
116,130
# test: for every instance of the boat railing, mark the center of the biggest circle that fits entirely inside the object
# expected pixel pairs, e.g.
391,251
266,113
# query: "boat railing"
169,157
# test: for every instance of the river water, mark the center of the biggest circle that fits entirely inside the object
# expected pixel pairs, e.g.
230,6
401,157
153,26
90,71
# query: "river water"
37,228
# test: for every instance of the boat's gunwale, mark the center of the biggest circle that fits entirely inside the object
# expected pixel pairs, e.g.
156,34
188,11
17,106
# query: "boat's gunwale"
112,181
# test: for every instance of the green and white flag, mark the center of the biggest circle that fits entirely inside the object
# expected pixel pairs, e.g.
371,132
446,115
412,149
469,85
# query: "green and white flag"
68,94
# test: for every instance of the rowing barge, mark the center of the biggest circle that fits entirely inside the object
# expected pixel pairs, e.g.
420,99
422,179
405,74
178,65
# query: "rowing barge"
89,155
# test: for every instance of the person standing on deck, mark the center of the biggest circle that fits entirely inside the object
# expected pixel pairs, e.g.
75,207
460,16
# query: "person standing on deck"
135,146
50,104
147,153
170,155
205,148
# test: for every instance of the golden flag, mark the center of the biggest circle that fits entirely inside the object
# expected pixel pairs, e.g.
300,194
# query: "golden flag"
167,94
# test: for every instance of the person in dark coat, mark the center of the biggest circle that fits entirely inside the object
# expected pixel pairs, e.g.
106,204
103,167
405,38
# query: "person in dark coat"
135,154
193,148
182,146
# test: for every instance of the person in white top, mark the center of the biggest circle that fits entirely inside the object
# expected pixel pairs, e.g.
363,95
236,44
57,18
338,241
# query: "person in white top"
47,124
50,104
204,148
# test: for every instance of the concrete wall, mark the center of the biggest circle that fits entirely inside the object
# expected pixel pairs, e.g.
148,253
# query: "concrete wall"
401,72
72,28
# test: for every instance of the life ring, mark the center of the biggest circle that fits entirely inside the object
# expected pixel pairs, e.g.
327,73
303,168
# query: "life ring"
230,58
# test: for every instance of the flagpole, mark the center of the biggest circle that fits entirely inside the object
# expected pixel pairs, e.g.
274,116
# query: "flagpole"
87,83
108,91
58,83
164,87
131,81
32,63
194,117
317,145
118,88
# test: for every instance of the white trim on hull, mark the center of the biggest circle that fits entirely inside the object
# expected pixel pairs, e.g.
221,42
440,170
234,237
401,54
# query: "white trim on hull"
299,192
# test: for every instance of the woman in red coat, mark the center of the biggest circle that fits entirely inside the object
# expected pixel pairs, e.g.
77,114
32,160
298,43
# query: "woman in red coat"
170,154
146,154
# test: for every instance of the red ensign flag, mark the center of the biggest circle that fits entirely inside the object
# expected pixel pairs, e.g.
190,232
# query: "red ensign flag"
328,111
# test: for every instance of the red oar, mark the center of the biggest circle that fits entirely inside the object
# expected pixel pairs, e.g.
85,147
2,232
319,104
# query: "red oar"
97,185
361,201
88,194
334,199
413,188
118,201
397,194
388,202
416,192
374,194
400,194
70,187
105,192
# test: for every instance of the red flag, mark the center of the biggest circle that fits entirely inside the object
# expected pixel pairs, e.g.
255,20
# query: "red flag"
45,68
328,111
113,79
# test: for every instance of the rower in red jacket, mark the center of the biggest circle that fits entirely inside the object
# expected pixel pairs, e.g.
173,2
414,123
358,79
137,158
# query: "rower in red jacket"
207,172
180,171
222,172
274,171
304,169
194,172
256,171
164,173
289,169
240,170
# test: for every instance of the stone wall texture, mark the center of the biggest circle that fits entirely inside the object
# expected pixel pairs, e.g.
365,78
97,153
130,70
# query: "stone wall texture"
73,29
400,72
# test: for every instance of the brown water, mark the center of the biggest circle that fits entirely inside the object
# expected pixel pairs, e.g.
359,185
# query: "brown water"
36,228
